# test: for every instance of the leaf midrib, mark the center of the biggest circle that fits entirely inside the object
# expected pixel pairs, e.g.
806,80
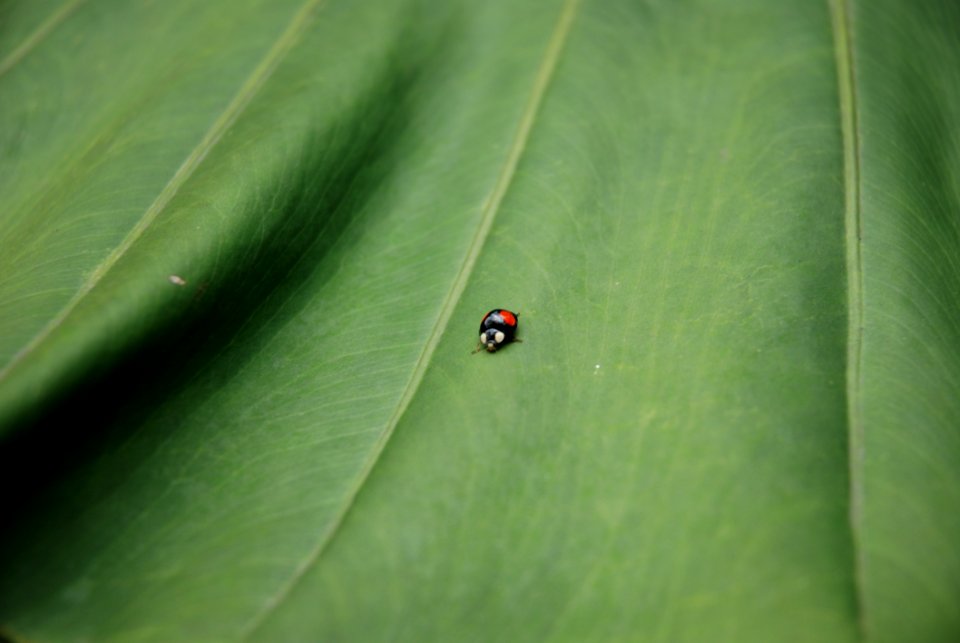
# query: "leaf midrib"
489,210
248,90
841,13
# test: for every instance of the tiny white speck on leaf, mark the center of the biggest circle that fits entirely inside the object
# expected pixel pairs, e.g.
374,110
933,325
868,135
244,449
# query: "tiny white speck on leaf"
177,281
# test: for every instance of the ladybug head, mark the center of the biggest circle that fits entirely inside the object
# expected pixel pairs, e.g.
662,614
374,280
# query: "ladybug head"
492,339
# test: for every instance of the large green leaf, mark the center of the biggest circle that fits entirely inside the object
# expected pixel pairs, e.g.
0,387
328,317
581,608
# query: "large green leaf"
245,248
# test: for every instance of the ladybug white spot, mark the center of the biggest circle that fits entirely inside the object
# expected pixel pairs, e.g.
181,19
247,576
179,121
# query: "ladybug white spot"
483,338
499,337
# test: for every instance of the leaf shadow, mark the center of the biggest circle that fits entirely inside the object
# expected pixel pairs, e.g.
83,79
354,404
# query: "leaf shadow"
325,191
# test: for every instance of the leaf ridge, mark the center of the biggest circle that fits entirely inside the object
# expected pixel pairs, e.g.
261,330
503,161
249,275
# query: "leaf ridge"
41,32
251,86
841,13
490,208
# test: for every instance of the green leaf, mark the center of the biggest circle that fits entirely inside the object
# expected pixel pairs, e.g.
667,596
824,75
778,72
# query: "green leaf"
905,407
246,246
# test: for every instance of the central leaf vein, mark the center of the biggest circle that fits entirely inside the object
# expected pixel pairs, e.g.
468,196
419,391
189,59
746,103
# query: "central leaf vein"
843,39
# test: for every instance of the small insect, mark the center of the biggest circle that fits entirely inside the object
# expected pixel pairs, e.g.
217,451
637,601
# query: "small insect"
498,327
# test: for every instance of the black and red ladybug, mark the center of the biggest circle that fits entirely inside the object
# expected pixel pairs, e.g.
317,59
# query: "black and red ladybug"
498,328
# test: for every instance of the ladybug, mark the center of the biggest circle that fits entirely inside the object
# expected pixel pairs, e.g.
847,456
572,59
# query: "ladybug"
499,327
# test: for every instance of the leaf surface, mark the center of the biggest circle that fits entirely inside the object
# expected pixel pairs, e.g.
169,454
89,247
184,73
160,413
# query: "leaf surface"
246,249
906,457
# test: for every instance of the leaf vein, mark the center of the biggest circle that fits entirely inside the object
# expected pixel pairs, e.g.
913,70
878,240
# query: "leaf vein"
251,86
38,35
491,206
853,222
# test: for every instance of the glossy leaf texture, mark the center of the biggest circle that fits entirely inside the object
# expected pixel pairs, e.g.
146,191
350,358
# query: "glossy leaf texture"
245,248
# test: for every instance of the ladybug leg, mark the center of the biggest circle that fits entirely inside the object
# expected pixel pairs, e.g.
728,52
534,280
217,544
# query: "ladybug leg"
477,349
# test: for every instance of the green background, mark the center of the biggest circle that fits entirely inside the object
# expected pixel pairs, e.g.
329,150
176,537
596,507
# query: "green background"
245,247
